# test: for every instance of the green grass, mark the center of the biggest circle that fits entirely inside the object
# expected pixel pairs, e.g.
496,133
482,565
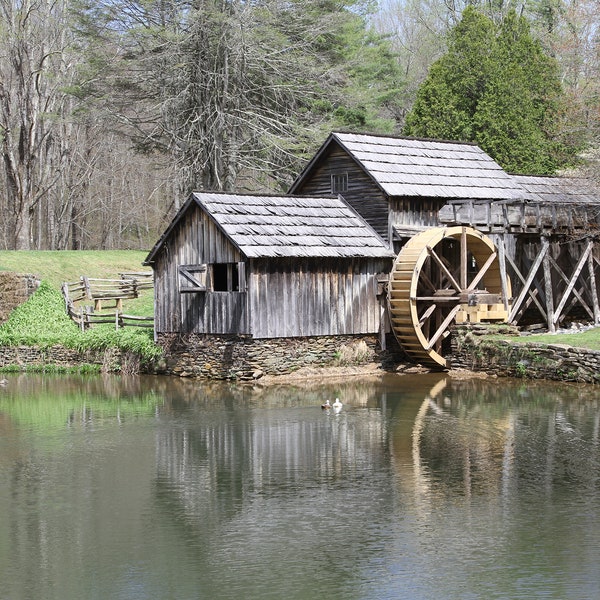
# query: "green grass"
43,321
585,339
57,266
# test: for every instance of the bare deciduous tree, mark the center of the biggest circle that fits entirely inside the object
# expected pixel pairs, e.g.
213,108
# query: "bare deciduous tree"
236,92
34,67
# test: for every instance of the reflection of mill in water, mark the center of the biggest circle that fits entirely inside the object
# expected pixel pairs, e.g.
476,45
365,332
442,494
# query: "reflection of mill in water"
432,449
226,457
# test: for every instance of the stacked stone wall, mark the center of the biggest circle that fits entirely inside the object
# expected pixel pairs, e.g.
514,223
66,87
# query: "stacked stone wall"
472,349
213,357
25,357
15,288
246,358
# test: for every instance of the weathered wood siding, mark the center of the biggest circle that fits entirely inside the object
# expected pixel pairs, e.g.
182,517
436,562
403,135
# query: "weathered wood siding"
363,194
310,297
523,217
415,212
196,240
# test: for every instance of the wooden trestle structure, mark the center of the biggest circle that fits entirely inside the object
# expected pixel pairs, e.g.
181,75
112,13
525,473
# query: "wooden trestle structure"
549,251
533,262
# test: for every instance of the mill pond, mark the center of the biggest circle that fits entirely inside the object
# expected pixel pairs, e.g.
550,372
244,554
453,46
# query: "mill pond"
421,487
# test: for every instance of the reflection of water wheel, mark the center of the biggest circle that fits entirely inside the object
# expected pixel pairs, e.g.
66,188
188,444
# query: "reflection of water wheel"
438,278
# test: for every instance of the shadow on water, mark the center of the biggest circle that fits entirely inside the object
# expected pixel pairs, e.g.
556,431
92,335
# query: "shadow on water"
157,487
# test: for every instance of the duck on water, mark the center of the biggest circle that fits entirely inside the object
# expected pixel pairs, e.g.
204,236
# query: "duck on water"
337,405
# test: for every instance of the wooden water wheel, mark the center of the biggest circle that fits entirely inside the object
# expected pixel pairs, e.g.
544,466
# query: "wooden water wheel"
443,276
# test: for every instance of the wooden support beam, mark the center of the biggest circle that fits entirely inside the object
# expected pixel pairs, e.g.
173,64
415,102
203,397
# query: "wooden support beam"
441,299
426,314
574,301
423,278
594,289
531,298
85,282
444,268
548,292
464,256
522,216
570,285
482,271
527,284
443,327
503,274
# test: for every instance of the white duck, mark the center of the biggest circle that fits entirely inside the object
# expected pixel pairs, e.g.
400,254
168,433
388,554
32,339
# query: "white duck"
337,405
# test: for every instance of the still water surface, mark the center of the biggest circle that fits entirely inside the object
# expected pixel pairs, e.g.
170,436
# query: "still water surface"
422,487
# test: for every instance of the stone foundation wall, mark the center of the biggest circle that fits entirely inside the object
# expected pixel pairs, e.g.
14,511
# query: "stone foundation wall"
245,358
474,350
15,289
111,360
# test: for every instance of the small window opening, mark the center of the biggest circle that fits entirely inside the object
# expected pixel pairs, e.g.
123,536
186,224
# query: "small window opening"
225,277
219,273
339,183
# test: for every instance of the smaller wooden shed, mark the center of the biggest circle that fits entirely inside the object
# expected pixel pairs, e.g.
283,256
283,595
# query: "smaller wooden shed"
398,185
268,267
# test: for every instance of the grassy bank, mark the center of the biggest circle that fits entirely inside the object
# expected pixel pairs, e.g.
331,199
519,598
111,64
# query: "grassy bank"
585,339
589,338
68,265
59,266
42,321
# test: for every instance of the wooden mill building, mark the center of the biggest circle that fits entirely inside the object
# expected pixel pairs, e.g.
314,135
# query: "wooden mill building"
351,250
546,228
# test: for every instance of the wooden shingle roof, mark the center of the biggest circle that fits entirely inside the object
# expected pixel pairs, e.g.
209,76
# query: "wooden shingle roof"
272,226
558,190
427,168
263,226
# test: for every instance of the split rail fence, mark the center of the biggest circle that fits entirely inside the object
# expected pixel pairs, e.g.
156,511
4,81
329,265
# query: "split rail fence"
106,293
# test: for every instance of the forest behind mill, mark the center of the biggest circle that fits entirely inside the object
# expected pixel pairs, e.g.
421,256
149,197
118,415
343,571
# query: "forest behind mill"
113,111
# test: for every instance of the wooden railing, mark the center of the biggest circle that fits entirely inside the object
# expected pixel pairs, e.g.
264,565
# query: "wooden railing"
102,292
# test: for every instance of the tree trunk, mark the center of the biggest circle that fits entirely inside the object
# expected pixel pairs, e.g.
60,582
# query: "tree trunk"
33,70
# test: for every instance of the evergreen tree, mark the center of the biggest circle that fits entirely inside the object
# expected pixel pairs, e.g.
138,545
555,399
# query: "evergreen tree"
496,87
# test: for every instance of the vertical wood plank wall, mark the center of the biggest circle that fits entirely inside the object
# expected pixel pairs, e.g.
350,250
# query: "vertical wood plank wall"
312,297
197,241
415,212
